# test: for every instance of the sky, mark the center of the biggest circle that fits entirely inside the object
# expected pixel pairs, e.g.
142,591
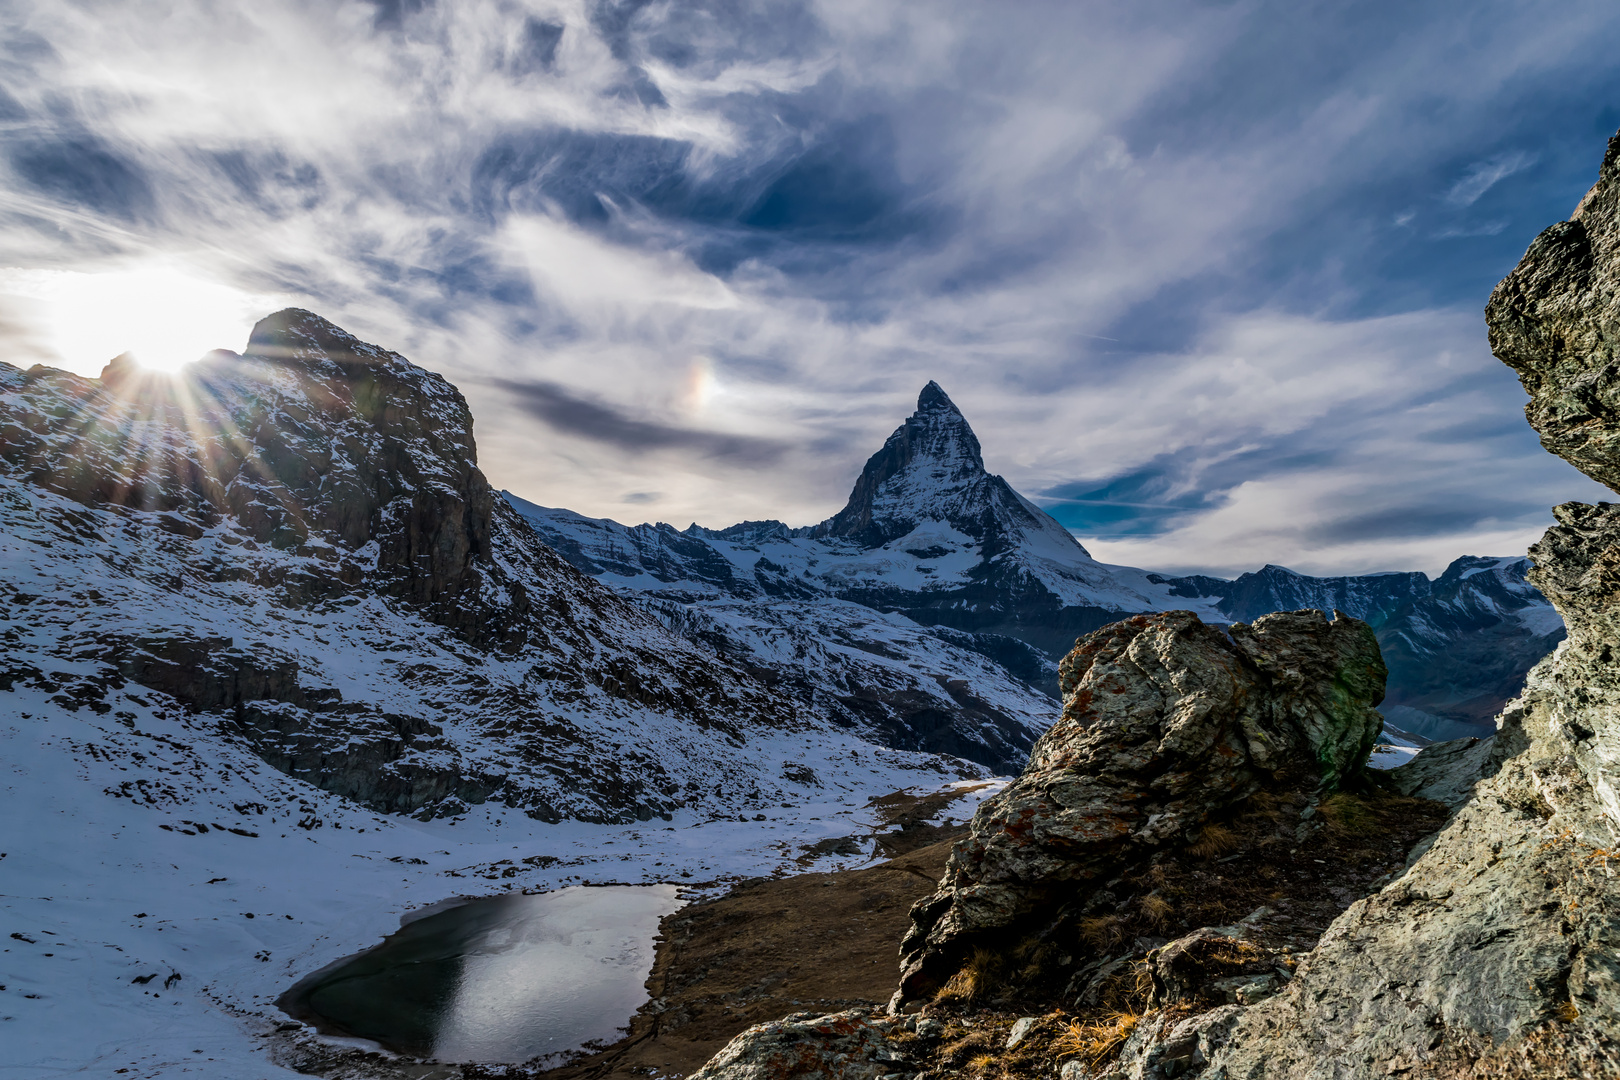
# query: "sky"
1205,277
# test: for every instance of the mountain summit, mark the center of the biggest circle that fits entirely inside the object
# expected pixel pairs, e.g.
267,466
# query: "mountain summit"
932,470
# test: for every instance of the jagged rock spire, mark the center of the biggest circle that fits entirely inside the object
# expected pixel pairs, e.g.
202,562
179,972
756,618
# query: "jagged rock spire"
934,453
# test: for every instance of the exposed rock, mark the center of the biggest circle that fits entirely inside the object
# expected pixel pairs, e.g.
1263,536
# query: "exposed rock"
1162,1047
839,1046
1166,721
1214,964
1498,953
1555,320
295,548
1020,1029
1446,772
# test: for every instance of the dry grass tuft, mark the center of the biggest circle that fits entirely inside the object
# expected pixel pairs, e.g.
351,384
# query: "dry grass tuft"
1346,814
974,978
1156,909
1103,932
1213,840
1265,804
1094,1041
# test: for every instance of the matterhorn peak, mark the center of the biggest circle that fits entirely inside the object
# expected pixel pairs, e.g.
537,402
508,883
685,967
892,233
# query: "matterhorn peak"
934,399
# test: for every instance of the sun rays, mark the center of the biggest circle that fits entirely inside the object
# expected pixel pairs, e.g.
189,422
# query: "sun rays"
157,314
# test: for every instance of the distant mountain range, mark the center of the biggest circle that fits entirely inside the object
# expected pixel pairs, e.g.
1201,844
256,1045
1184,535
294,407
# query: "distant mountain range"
932,550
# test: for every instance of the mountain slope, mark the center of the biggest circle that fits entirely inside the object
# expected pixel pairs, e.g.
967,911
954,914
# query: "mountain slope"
296,544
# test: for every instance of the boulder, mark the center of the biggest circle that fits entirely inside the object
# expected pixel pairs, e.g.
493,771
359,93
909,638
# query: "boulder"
838,1046
1165,721
1446,772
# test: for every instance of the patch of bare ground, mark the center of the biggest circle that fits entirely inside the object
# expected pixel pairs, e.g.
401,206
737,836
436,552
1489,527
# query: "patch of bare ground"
769,947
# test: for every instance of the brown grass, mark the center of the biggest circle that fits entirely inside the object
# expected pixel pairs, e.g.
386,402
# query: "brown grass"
1213,840
973,979
1103,932
974,1046
1156,909
1094,1041
1346,814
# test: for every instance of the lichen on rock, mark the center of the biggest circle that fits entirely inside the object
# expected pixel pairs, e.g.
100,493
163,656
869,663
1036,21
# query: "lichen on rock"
1166,721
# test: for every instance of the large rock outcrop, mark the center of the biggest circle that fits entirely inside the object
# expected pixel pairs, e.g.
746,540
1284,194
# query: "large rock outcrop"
1166,722
1498,953
296,545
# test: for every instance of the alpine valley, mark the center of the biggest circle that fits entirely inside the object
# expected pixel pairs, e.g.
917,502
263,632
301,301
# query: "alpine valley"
281,669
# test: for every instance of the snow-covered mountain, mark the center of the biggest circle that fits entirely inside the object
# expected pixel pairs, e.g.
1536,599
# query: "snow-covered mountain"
932,540
295,547
1459,650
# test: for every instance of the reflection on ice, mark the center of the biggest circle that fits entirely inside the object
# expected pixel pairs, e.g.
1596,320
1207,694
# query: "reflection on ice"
503,979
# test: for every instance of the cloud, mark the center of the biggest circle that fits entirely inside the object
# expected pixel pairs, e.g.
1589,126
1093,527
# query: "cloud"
1481,176
1208,276
569,413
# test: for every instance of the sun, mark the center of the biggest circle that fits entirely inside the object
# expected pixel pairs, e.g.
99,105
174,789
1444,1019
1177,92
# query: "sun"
158,313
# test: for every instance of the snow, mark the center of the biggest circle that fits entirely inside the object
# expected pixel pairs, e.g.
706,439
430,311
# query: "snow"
110,889
1539,619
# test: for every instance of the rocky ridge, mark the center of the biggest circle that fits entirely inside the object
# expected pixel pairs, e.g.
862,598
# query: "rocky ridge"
297,544
1166,723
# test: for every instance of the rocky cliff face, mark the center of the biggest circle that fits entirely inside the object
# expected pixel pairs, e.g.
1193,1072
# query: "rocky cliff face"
297,543
1498,952
932,470
1166,723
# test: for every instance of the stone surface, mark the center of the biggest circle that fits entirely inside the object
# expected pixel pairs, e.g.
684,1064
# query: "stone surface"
1497,954
1020,1029
1555,320
1446,772
1161,1049
839,1046
1166,721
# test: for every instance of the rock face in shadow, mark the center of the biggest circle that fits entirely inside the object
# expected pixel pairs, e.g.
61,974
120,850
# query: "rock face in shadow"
1498,953
1166,721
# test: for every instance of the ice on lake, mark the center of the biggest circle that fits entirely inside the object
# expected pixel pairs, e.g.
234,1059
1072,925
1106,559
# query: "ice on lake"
500,979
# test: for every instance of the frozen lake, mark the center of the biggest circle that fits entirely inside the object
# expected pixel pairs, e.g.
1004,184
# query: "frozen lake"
499,979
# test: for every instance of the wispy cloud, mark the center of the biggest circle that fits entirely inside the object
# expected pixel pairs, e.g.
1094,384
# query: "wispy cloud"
1209,262
572,414
1481,176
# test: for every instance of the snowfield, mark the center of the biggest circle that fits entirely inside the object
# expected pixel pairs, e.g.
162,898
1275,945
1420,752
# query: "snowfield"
153,937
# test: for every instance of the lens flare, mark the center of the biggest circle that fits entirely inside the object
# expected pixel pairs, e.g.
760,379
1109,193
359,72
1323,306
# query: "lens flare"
162,316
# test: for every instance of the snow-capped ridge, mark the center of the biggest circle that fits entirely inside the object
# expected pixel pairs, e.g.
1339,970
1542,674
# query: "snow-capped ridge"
296,542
